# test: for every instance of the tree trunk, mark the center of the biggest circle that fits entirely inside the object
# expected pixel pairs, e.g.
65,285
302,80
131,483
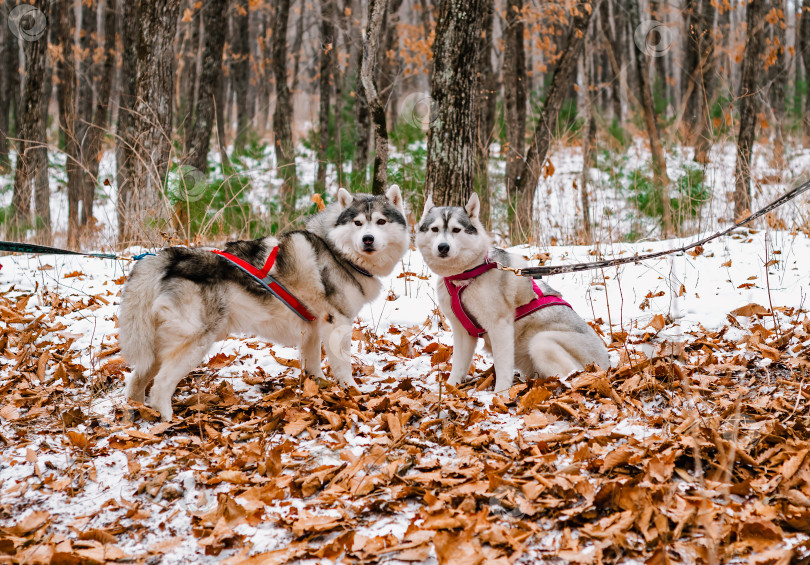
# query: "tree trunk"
613,53
84,100
376,12
485,114
451,137
588,131
125,133
804,42
749,105
189,56
778,82
659,83
708,81
101,111
514,102
5,102
283,139
199,139
659,165
564,75
241,72
11,74
65,22
325,84
363,125
390,62
42,184
152,115
690,91
31,131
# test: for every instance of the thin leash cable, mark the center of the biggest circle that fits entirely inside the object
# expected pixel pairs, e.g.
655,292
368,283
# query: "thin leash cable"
537,272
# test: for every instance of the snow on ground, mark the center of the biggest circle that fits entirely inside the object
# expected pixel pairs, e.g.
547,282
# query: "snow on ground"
694,444
106,481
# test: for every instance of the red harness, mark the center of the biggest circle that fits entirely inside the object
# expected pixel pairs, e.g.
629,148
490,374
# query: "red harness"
468,322
268,282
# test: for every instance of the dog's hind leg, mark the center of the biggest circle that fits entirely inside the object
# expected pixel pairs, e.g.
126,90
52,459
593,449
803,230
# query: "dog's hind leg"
176,364
550,357
139,380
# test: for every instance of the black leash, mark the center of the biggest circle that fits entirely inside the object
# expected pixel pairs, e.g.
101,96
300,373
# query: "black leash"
537,272
34,248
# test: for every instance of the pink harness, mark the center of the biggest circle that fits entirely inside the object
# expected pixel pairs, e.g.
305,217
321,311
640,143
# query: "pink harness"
468,322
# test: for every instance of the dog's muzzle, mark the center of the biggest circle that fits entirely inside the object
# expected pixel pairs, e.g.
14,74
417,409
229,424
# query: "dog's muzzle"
443,249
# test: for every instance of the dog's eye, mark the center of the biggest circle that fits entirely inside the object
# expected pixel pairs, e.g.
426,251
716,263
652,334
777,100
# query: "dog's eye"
434,229
456,230
358,223
380,222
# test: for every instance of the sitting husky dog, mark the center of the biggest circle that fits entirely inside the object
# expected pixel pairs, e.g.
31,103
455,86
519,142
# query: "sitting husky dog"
523,324
176,304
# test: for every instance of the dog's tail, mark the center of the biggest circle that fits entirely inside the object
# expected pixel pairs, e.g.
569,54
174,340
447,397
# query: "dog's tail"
136,321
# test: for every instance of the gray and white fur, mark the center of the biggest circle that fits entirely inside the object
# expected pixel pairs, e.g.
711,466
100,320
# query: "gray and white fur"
551,341
176,304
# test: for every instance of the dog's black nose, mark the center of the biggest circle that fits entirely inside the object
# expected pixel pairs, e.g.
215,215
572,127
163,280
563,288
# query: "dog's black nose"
368,239
444,248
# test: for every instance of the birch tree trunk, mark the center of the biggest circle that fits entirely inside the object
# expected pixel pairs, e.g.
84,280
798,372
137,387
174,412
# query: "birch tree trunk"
5,102
749,105
451,137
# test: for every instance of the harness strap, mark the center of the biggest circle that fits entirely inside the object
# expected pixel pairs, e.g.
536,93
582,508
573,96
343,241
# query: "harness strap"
469,323
270,284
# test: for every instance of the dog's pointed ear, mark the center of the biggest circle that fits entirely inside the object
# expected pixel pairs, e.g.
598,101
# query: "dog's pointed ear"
473,206
428,205
394,195
344,198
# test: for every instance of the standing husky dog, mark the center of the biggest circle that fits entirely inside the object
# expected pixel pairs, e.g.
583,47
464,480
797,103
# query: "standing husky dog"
176,304
523,325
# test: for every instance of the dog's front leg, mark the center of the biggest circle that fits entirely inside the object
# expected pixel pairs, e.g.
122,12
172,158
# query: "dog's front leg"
311,352
463,350
502,340
337,340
